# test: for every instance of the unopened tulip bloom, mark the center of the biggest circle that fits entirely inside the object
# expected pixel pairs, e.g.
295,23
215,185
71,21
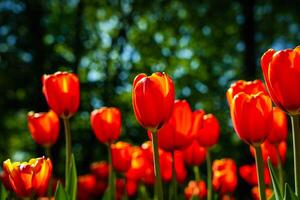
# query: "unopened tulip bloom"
177,134
249,174
208,135
279,129
106,124
196,189
29,178
44,127
86,185
252,117
153,99
224,176
121,156
248,87
281,70
194,154
62,93
100,169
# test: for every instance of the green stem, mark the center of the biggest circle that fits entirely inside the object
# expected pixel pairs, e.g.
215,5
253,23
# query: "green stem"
196,173
158,182
296,149
260,172
209,176
280,170
173,192
111,180
68,147
48,155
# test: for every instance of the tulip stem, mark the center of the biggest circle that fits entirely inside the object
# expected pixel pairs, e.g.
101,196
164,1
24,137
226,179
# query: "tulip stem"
111,179
158,183
173,192
279,166
296,149
260,172
48,155
209,176
68,147
196,173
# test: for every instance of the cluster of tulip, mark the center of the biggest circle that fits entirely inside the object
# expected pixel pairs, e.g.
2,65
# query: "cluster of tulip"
178,138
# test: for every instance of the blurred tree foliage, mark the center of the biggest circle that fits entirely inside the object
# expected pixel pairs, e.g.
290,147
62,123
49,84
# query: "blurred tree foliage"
203,45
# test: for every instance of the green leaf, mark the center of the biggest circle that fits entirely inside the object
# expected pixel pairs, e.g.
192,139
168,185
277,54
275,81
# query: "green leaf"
60,193
272,197
3,194
289,194
71,186
275,183
194,198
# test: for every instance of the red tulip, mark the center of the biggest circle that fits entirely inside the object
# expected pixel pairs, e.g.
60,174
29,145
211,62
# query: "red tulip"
194,154
208,136
29,178
86,185
121,156
153,99
279,130
106,124
100,187
62,93
180,170
224,176
44,127
100,169
131,188
255,193
120,187
269,151
248,87
252,116
281,71
249,174
197,121
196,189
177,133
4,177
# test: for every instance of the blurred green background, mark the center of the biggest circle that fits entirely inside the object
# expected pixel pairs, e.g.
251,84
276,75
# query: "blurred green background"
203,45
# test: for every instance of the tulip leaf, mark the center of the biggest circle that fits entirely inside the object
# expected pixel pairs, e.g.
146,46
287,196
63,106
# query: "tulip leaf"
289,194
194,197
272,197
71,186
275,183
3,194
60,193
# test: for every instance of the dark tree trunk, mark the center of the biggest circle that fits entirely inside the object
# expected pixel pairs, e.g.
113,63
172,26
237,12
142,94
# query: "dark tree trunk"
248,33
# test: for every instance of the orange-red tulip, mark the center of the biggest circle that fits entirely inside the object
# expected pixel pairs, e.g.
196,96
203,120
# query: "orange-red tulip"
255,193
62,93
121,156
248,87
208,136
197,121
100,169
44,127
29,178
153,99
269,151
252,116
4,177
224,176
106,124
194,154
177,134
281,71
249,174
86,185
279,130
196,189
